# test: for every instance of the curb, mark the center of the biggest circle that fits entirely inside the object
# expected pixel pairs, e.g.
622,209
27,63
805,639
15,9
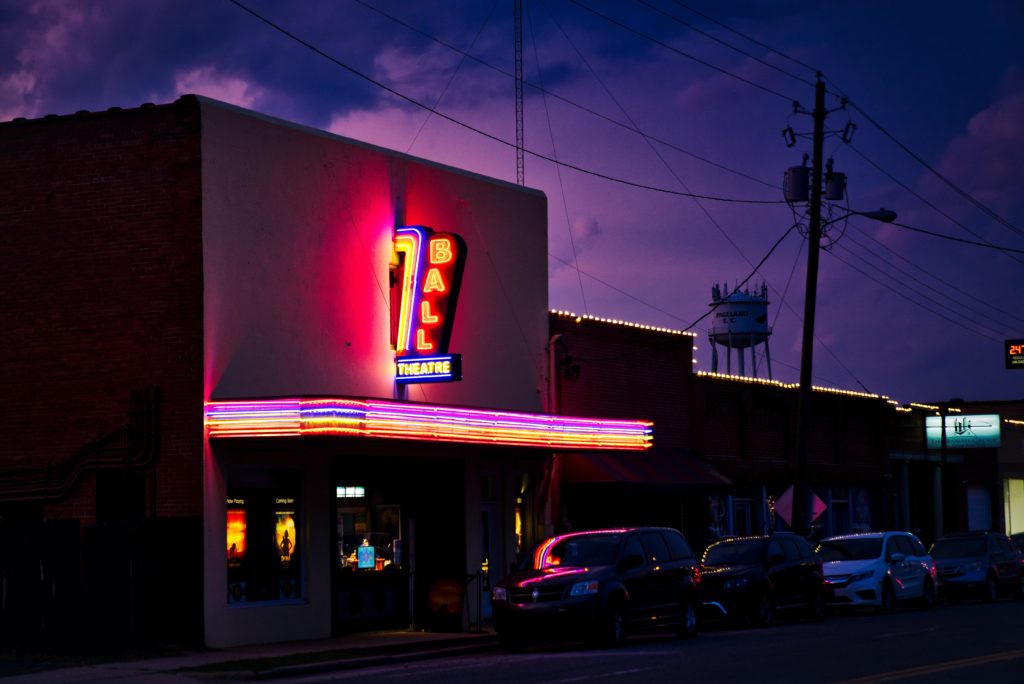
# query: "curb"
478,645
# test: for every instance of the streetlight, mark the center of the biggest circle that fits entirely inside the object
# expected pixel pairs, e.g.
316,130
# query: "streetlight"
801,523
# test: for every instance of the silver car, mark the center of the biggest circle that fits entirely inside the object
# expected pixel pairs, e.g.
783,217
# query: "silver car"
877,569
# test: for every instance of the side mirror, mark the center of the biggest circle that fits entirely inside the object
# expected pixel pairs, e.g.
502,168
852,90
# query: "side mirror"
633,560
897,558
776,558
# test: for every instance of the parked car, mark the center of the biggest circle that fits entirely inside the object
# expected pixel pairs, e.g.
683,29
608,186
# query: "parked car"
1018,539
981,564
600,585
877,569
750,578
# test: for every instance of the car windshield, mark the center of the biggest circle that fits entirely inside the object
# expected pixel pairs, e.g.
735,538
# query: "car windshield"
584,550
958,548
737,552
850,549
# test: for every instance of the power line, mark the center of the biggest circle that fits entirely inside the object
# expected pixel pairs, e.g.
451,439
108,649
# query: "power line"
952,238
956,188
668,167
745,36
676,50
451,78
916,303
744,281
915,291
724,43
483,133
927,203
563,99
558,170
946,283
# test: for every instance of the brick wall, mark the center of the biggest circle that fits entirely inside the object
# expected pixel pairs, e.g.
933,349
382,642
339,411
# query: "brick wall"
102,292
746,430
615,371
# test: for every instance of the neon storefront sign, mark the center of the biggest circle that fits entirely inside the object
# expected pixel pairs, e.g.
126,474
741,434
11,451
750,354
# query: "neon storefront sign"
426,276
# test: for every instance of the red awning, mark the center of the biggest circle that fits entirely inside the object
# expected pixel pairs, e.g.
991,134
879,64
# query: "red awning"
647,468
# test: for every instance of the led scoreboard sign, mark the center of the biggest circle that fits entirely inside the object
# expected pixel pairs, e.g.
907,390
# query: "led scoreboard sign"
1015,354
426,276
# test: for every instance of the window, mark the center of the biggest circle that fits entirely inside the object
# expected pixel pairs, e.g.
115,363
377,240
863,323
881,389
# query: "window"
677,546
919,549
633,548
263,536
654,545
904,546
790,549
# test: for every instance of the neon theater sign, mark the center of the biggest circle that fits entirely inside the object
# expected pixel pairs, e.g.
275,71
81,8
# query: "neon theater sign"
426,273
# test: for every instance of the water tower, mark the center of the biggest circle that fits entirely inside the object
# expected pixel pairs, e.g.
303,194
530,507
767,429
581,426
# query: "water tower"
739,321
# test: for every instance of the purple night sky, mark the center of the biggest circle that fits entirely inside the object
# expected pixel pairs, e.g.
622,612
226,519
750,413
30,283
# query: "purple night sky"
710,85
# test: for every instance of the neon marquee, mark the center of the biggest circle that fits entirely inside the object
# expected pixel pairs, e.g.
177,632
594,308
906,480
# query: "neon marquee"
430,422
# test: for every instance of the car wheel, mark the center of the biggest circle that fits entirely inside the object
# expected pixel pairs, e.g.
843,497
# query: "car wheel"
991,589
611,631
688,619
928,595
816,607
764,610
888,599
510,642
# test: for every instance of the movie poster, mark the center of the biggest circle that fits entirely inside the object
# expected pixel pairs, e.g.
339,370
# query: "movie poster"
236,537
285,537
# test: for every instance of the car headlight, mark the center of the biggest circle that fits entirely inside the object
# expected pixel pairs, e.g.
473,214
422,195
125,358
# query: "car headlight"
970,567
736,583
861,576
584,588
499,594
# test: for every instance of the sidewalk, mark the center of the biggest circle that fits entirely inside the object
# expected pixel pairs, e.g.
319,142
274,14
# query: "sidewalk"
270,661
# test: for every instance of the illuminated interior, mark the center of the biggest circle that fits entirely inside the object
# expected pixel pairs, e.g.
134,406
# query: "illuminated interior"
394,420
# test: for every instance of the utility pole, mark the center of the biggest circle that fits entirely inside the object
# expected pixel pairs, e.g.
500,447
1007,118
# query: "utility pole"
801,519
517,10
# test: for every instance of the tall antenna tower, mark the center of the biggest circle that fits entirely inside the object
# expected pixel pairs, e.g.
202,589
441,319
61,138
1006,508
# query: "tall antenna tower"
518,11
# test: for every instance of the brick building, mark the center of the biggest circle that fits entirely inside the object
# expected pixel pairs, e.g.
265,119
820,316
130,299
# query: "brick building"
725,444
215,340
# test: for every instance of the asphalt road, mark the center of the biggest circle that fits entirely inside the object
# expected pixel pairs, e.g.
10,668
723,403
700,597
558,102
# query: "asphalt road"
971,642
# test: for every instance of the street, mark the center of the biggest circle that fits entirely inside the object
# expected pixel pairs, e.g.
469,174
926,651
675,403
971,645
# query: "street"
970,642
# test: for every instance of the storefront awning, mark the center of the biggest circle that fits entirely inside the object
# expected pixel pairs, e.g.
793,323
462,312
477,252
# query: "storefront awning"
345,417
650,468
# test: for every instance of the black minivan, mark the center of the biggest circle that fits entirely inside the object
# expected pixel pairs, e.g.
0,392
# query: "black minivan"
599,585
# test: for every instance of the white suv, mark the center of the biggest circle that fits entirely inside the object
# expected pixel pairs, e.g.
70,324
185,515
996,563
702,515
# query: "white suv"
877,569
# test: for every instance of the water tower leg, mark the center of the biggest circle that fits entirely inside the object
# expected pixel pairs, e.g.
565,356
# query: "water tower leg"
753,360
768,358
739,358
728,355
714,356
